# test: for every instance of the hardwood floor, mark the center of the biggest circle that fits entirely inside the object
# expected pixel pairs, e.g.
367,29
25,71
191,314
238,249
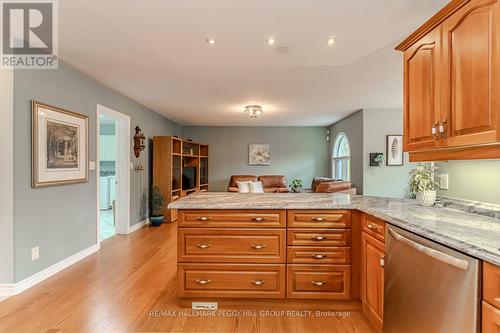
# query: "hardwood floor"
117,289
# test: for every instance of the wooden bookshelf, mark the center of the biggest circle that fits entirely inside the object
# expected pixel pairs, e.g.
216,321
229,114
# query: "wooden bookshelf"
171,155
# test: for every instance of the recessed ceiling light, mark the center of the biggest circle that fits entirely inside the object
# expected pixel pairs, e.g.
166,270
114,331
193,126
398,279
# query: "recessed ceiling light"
271,41
330,41
211,41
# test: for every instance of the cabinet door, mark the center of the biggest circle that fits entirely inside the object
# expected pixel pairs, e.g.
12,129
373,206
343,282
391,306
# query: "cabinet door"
422,91
471,62
372,278
490,319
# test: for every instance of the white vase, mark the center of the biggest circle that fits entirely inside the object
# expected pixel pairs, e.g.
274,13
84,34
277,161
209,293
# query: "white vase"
427,198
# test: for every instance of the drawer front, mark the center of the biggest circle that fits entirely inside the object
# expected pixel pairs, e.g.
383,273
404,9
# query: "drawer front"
374,227
490,318
491,284
319,281
231,280
231,245
227,218
319,237
319,219
318,255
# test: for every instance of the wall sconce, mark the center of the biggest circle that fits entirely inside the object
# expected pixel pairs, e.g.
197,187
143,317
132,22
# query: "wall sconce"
138,141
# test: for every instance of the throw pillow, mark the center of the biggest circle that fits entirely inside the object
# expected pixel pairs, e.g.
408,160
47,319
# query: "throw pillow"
243,186
256,187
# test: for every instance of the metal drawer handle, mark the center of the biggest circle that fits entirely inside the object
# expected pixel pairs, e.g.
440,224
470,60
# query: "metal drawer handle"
203,282
373,227
318,219
204,218
318,283
434,131
318,238
382,261
258,246
318,256
203,246
258,282
258,219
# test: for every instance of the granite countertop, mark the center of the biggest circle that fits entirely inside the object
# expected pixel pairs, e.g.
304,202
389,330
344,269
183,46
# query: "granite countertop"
475,235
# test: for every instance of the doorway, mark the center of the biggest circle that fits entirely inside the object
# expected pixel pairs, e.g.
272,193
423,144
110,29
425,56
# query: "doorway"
113,173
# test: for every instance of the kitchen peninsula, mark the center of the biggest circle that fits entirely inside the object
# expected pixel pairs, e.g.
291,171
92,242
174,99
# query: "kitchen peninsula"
323,246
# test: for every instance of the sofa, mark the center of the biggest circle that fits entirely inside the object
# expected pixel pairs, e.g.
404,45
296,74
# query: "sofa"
270,183
331,185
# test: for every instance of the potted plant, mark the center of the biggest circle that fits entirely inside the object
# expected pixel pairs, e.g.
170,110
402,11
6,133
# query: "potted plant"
423,185
156,204
296,186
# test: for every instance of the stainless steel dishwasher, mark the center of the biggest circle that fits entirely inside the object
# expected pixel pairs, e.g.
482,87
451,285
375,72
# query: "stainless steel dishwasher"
428,287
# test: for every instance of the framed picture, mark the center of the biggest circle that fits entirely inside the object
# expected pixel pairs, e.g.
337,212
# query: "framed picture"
59,146
394,151
259,154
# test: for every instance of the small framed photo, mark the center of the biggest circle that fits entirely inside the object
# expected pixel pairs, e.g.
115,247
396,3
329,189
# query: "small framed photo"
394,150
259,154
59,146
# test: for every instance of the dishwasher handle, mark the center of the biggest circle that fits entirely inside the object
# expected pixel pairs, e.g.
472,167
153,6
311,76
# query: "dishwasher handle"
443,257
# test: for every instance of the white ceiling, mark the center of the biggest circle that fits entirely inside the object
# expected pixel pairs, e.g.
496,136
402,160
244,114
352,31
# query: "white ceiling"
154,51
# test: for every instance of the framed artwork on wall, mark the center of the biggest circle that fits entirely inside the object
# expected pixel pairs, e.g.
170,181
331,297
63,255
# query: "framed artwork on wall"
394,150
59,146
259,154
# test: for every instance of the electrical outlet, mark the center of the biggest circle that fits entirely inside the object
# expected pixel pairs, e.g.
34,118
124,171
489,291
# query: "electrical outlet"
443,181
35,253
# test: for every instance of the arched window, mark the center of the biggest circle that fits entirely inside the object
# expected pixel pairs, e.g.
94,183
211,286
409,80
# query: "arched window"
341,158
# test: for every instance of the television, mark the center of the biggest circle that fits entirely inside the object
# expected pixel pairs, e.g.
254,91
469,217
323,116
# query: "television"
188,178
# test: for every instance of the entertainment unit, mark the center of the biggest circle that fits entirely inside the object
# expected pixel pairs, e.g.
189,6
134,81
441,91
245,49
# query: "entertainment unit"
180,167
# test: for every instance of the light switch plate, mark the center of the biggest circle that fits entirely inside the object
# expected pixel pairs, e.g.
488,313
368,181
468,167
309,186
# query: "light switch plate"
91,165
35,253
443,181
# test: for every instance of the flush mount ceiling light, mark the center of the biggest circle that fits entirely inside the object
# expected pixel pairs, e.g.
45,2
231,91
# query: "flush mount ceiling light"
254,111
330,41
211,41
271,41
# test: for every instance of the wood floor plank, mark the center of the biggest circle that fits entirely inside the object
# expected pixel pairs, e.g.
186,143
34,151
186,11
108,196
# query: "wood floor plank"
115,290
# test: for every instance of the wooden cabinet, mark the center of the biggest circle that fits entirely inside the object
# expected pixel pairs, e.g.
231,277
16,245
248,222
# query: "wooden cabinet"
452,84
319,237
315,219
319,281
372,278
373,226
232,219
491,298
422,92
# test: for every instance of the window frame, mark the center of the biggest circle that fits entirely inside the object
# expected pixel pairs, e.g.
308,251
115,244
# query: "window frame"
345,160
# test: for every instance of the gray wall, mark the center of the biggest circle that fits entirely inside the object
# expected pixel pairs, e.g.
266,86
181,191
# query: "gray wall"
388,181
296,152
472,180
61,220
352,126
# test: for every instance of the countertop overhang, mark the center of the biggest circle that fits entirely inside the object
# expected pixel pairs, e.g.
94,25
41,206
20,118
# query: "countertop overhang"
472,234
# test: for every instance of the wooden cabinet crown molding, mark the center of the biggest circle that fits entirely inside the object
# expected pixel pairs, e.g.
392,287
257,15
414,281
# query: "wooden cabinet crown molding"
434,21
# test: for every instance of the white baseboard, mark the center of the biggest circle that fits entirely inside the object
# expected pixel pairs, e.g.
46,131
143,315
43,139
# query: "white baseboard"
137,226
7,290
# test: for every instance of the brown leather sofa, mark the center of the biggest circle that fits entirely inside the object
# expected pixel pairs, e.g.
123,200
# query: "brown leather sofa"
233,186
330,185
274,184
271,184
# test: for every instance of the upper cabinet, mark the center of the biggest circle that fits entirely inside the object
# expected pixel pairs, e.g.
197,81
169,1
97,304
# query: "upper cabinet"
452,83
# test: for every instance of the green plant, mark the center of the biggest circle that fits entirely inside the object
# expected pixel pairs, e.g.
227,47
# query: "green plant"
380,158
421,179
295,185
156,201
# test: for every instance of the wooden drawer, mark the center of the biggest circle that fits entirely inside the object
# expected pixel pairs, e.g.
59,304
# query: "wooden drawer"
319,281
490,319
373,226
491,284
230,218
231,245
319,219
319,237
318,255
231,280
